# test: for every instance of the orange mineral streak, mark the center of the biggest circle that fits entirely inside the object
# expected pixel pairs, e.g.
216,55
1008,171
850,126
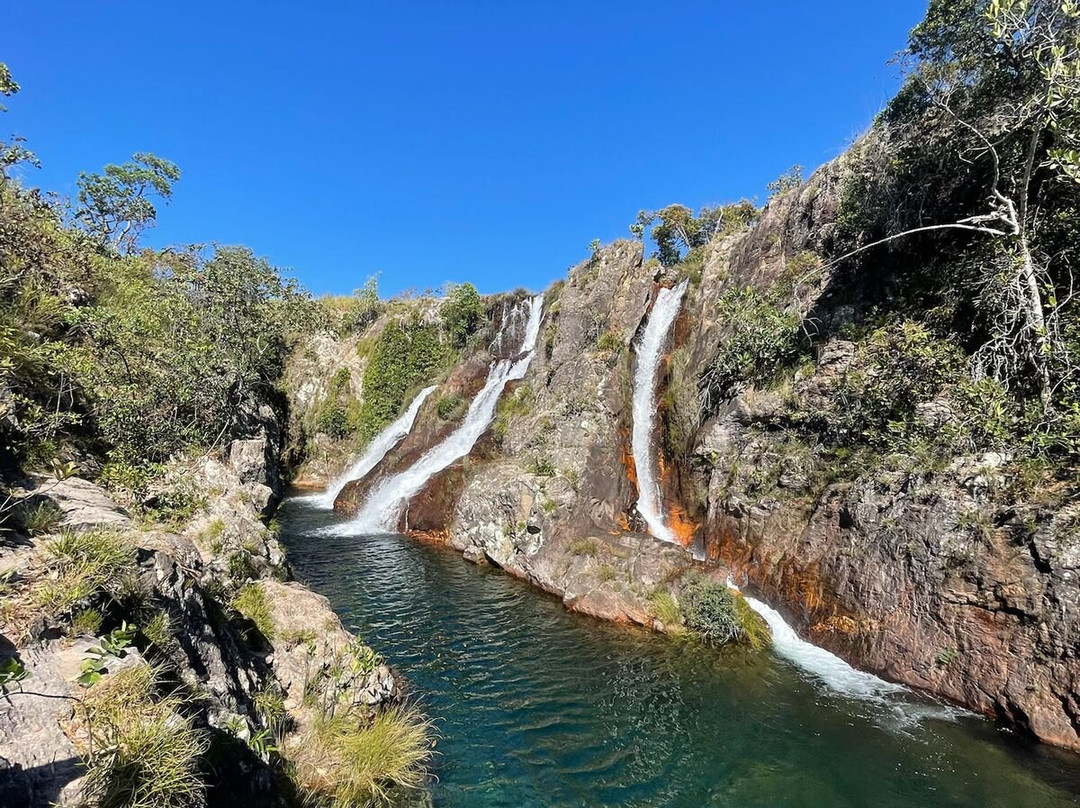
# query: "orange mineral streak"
433,537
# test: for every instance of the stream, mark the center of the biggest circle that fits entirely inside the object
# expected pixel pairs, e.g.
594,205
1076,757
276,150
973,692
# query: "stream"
535,706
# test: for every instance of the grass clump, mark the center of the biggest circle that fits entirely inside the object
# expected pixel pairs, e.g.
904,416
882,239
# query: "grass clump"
84,566
347,761
449,406
42,517
146,754
541,466
721,615
251,602
665,608
86,623
584,547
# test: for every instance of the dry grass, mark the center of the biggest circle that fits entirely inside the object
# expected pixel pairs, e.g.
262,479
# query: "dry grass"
347,761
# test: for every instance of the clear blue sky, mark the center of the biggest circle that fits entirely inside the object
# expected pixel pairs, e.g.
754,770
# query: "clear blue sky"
434,141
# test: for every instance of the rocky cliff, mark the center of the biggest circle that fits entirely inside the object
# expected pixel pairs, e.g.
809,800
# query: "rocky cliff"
939,573
213,614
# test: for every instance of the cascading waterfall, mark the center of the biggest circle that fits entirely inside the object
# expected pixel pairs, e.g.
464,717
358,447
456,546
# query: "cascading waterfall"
828,668
650,350
375,452
384,504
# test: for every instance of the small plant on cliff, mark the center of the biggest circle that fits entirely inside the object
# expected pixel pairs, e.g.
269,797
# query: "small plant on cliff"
83,567
252,603
584,547
720,614
541,466
609,342
449,406
665,608
462,312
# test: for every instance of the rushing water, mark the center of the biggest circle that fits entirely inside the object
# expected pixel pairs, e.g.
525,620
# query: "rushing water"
536,706
649,353
375,452
383,505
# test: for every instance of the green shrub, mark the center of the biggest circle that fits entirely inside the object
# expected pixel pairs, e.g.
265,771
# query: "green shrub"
541,466
720,614
144,752
762,340
609,341
584,547
449,406
348,760
42,517
86,623
462,312
407,353
897,367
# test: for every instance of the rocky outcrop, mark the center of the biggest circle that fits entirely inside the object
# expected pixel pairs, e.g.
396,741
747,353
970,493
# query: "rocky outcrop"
189,582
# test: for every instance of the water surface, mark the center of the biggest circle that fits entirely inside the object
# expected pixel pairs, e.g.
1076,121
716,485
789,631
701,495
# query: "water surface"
539,707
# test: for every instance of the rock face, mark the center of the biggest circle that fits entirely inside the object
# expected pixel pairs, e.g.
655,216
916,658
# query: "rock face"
219,656
937,578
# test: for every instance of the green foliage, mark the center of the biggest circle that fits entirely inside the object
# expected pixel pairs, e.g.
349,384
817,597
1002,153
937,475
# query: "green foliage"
675,228
365,307
144,752
788,181
158,630
762,340
587,547
406,354
349,761
251,601
12,672
449,406
946,657
113,645
541,466
720,614
896,367
665,608
115,207
609,341
41,517
462,312
82,568
339,414
86,623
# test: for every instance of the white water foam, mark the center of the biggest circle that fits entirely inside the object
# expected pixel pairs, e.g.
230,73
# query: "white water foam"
373,455
382,509
649,353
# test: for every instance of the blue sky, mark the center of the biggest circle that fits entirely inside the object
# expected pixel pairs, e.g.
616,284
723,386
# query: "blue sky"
435,141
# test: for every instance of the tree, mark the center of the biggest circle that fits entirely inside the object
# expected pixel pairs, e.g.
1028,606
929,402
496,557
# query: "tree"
462,310
788,181
12,152
116,207
998,81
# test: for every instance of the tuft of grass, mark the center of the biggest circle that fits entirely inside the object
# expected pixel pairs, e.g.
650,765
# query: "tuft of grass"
146,754
42,517
85,623
346,761
541,466
609,341
606,572
584,547
82,567
450,406
158,630
665,608
549,506
252,603
755,631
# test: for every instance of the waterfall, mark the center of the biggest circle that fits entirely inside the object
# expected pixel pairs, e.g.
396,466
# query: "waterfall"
375,452
382,509
649,352
830,669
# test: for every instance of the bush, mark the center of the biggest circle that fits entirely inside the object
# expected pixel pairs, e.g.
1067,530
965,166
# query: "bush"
720,614
406,354
349,760
462,312
762,340
897,367
449,406
145,753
